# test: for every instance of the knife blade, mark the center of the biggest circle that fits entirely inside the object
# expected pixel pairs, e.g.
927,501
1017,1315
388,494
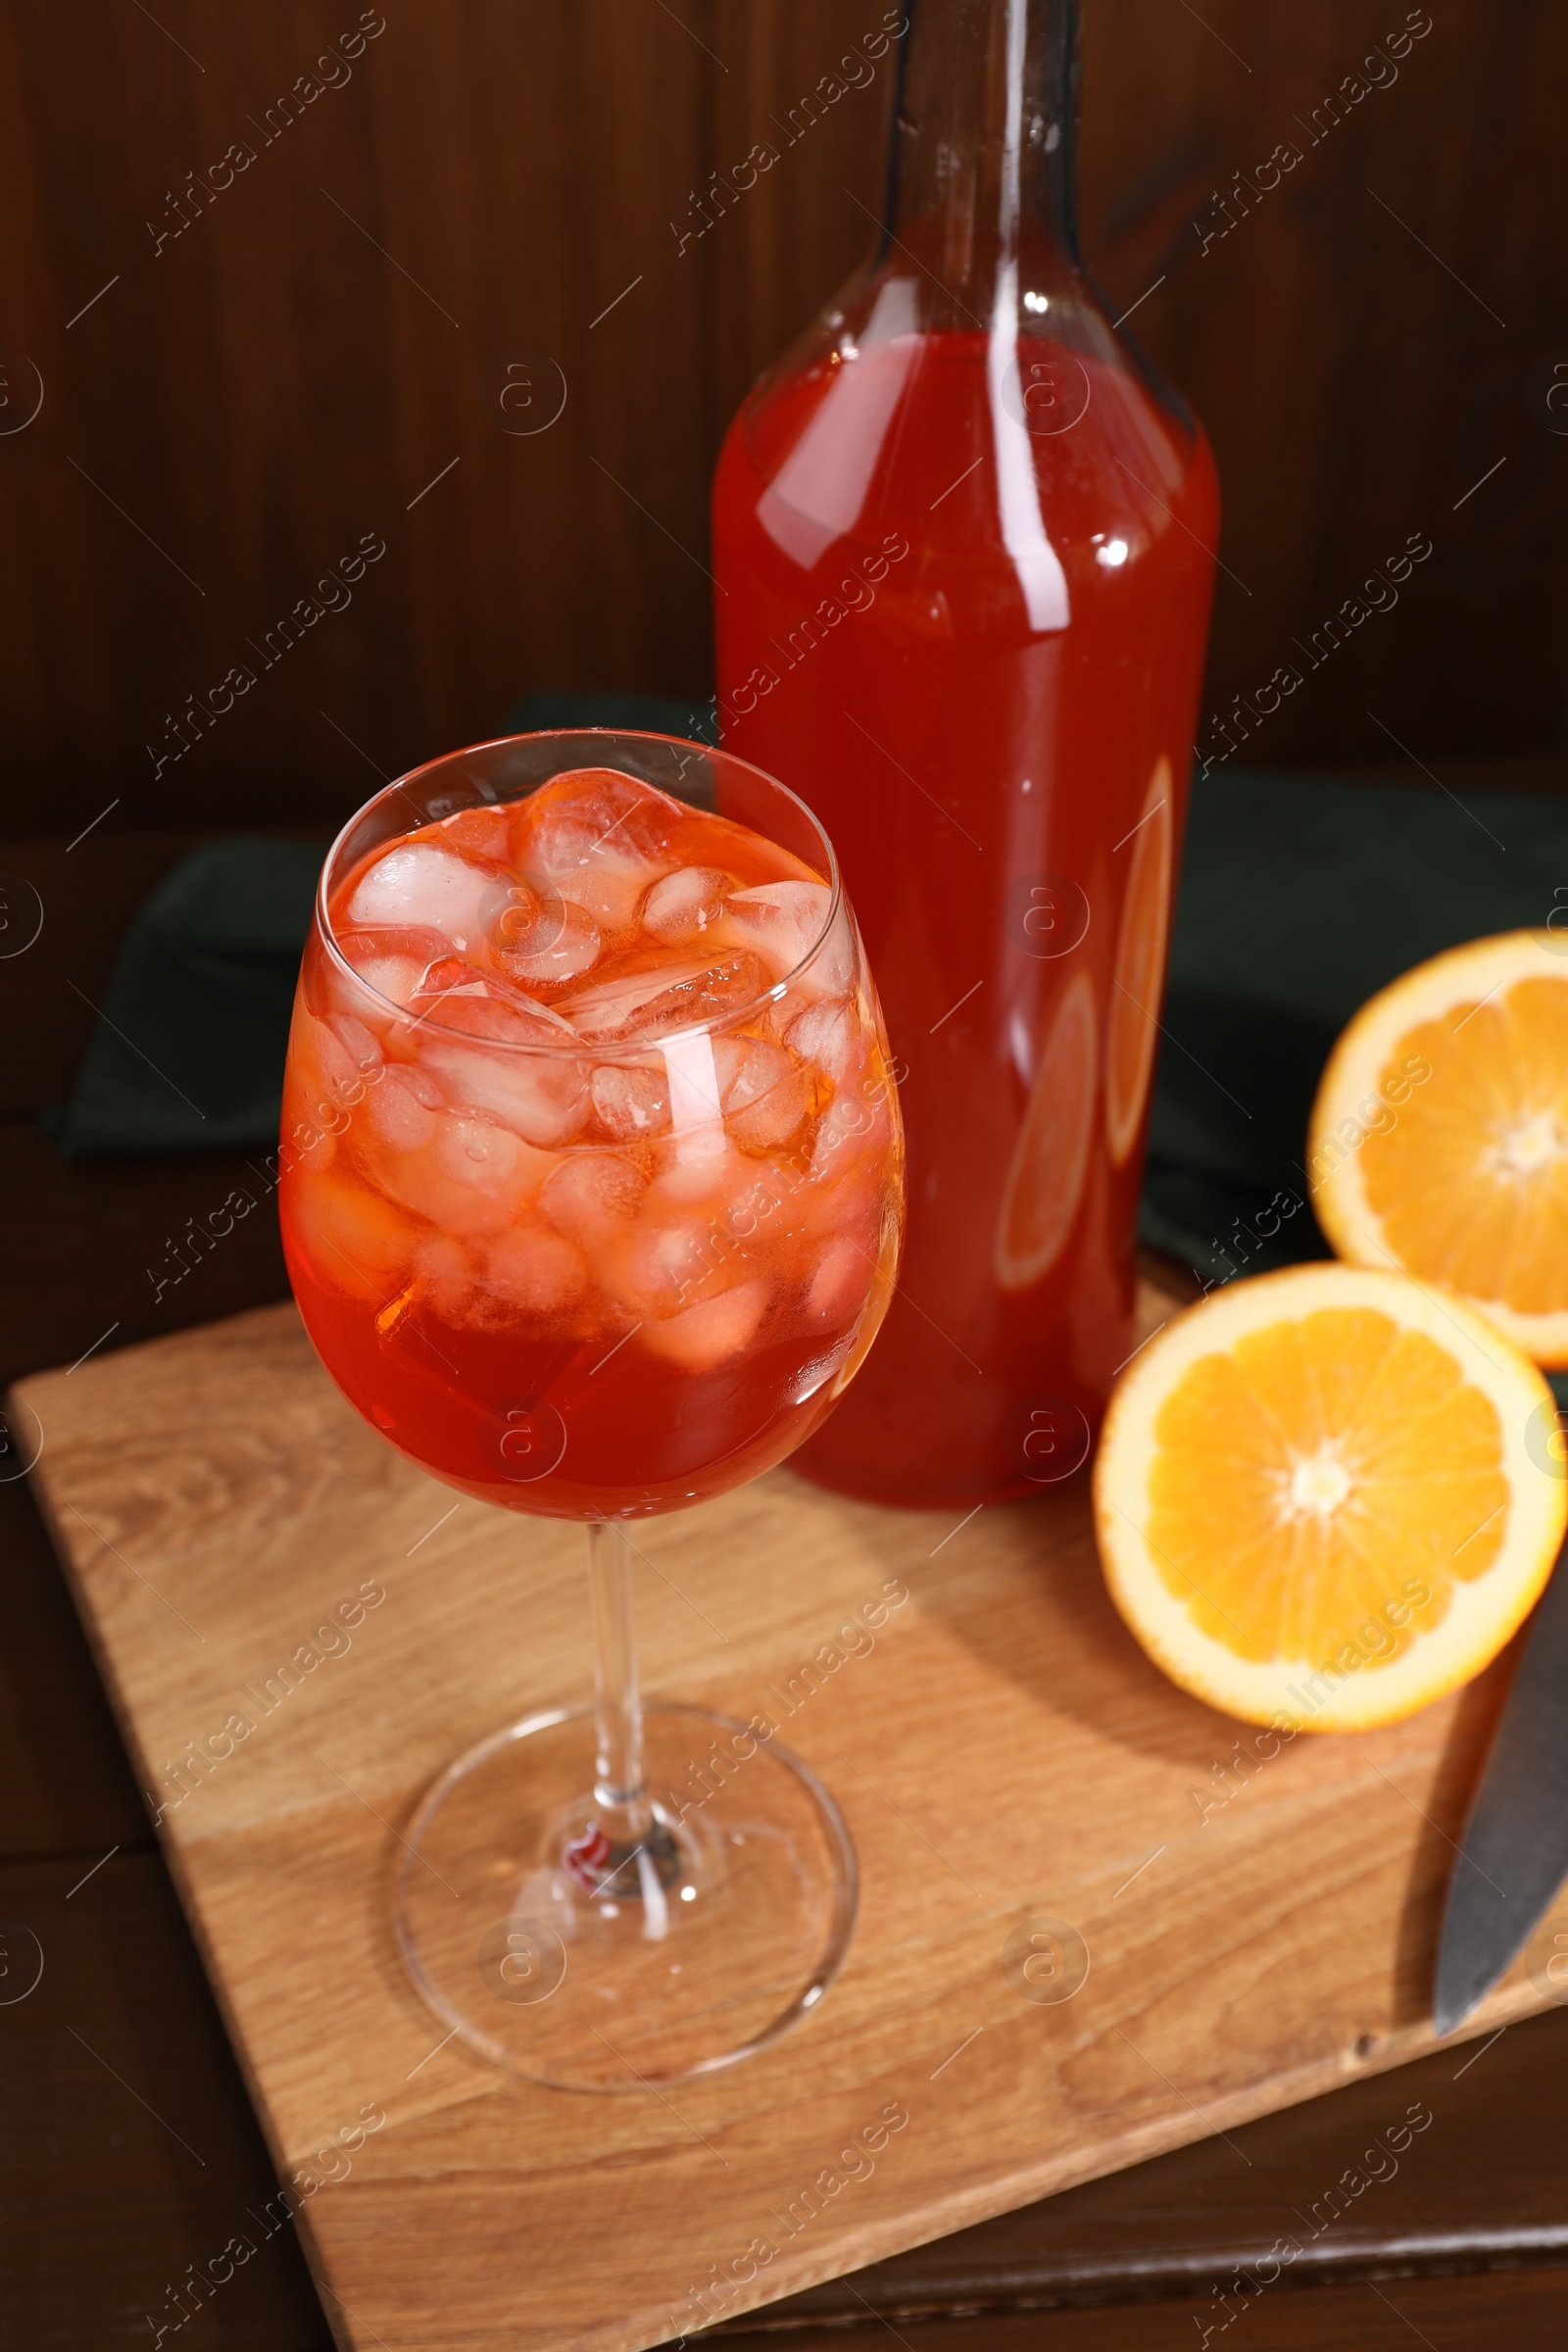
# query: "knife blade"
1514,1856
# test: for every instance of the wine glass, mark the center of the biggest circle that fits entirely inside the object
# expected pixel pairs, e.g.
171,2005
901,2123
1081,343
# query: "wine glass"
592,1200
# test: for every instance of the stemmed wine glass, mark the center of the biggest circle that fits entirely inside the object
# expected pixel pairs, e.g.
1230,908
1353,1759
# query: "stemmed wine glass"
592,1199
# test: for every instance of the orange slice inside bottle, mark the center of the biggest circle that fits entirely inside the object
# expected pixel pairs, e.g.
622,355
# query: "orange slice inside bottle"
1138,975
1050,1159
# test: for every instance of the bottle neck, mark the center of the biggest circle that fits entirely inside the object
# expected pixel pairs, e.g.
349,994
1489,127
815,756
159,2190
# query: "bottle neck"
983,168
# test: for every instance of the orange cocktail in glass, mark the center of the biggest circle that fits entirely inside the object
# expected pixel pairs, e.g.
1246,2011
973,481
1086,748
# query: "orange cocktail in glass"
592,1206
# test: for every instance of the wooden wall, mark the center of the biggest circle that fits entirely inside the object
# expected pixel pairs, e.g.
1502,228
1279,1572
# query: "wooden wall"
492,178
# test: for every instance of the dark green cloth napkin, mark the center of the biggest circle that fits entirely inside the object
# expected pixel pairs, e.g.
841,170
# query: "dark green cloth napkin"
188,1056
1299,897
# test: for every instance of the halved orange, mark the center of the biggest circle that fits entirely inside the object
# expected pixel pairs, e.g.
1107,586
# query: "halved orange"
1439,1140
1138,975
1050,1159
1325,1496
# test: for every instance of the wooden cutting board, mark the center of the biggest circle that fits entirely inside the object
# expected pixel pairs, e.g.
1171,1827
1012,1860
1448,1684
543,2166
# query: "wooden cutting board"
1003,1754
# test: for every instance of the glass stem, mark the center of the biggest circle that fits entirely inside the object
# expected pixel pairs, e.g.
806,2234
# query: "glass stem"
619,1788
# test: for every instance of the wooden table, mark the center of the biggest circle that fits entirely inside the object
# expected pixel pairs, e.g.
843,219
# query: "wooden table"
128,2148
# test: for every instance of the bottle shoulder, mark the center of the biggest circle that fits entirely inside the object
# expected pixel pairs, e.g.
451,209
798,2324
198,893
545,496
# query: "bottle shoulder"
964,439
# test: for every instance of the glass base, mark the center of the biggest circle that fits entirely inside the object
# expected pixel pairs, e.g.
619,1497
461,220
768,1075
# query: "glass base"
576,1962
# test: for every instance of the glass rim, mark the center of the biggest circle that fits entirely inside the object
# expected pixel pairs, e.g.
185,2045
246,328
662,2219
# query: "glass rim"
609,1050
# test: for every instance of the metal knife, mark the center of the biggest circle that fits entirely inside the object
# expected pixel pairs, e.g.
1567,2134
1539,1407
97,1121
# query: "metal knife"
1515,1851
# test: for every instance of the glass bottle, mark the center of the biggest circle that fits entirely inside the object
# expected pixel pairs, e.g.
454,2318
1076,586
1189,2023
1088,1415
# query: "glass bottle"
964,545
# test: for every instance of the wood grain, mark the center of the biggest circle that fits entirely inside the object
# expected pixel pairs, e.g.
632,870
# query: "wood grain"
226,413
1472,2192
1004,1753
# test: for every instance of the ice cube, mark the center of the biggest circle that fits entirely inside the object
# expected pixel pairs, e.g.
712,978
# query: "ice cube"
544,942
765,1098
766,1204
592,1196
697,1159
509,910
598,838
392,961
477,1152
828,1035
841,1282
670,1263
542,1096
681,908
356,1241
304,1144
849,1158
629,1101
533,1271
712,1333
417,882
455,994
443,1273
469,1176
422,1085
398,1113
784,921
700,1164
319,1064
584,809
484,832
691,1067
665,996
358,1042
846,1123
